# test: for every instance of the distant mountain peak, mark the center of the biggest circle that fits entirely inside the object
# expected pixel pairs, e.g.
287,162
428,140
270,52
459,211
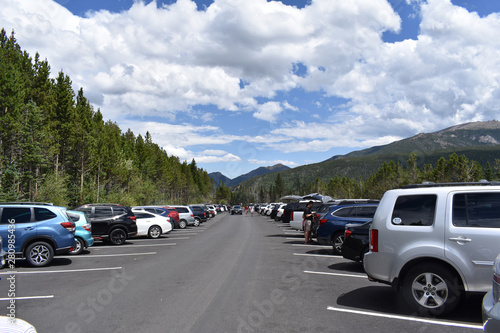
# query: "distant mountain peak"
260,171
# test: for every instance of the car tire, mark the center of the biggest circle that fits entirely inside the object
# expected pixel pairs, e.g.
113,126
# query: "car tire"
39,254
431,289
337,241
182,224
117,236
154,231
196,222
79,246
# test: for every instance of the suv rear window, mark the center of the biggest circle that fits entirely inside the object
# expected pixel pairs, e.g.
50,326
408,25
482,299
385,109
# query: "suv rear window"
480,210
101,212
414,210
42,214
119,211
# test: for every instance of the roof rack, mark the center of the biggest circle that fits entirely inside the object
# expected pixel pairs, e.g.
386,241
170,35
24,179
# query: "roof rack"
432,184
27,203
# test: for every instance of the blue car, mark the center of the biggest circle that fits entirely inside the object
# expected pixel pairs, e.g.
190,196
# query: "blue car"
331,226
83,231
35,232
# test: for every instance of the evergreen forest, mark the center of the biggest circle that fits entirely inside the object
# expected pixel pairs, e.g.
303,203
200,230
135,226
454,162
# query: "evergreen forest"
54,147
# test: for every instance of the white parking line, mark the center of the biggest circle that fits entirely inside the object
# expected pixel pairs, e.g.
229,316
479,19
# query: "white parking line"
407,318
312,245
338,274
61,271
107,255
27,297
157,239
329,256
134,245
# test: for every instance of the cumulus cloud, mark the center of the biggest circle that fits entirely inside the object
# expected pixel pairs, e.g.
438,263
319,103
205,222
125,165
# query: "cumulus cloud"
272,162
157,61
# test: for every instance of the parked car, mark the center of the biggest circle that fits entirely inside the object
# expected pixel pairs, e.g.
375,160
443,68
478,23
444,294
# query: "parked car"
113,223
296,218
236,209
15,326
200,213
332,225
327,206
279,213
3,254
274,210
356,241
83,231
40,231
491,302
211,210
186,216
174,215
435,242
158,210
151,225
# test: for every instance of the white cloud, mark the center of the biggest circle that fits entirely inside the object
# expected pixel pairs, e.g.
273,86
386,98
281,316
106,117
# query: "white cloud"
272,162
157,62
207,156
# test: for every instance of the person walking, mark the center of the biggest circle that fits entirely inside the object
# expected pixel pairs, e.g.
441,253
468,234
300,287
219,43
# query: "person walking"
308,217
252,208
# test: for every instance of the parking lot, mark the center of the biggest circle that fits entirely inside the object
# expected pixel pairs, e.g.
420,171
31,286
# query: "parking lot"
231,274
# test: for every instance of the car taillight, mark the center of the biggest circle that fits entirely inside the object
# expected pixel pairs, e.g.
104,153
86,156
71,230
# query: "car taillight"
70,226
374,240
347,233
291,215
133,218
87,227
321,221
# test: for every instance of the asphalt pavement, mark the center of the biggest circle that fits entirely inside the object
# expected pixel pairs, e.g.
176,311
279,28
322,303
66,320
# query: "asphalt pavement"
231,274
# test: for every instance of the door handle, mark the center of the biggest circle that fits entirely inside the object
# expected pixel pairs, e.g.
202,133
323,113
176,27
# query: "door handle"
29,228
461,239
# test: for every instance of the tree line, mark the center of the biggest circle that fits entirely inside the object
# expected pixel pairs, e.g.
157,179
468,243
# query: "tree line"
390,175
54,147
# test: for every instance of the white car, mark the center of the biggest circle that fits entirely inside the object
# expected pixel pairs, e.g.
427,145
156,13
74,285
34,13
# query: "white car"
212,210
151,225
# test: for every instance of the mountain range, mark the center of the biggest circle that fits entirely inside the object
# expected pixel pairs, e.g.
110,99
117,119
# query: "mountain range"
478,141
220,178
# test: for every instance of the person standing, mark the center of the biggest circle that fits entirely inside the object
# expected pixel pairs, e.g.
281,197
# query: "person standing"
308,217
252,208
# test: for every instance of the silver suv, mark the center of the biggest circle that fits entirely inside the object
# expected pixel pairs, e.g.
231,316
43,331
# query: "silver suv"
186,216
433,242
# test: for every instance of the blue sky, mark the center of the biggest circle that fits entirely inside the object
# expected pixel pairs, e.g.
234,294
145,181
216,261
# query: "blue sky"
239,84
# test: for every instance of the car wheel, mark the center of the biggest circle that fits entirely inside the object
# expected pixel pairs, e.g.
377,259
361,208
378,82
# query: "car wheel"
182,224
39,254
337,241
154,231
79,246
196,222
431,289
117,236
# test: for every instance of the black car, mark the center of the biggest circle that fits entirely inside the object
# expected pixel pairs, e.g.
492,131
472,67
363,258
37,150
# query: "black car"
200,213
236,209
356,241
110,222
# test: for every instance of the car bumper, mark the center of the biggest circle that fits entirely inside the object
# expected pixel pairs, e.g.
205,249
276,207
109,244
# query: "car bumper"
491,314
